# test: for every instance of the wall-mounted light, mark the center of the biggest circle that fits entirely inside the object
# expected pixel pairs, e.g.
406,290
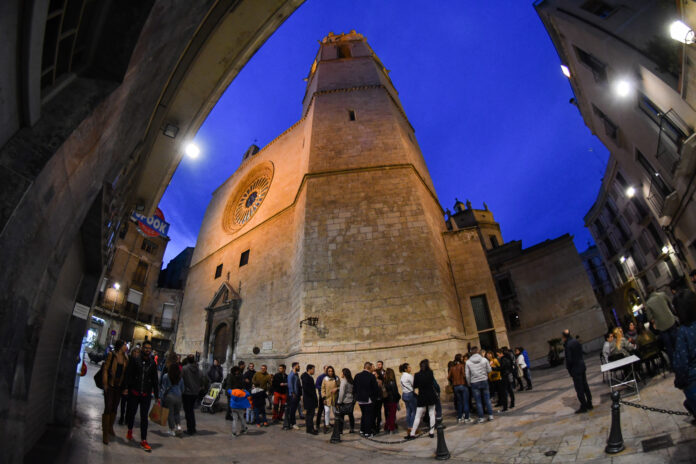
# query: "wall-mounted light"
623,88
310,321
148,327
665,249
681,32
117,285
170,130
565,70
631,191
622,259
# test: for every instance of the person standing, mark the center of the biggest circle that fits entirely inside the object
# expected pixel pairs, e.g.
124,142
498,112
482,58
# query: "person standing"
494,377
215,372
171,392
365,390
239,402
526,369
576,368
280,393
113,378
345,403
329,394
309,397
409,396
683,300
522,367
142,383
424,382
379,368
477,370
391,402
658,312
192,386
294,393
248,386
684,363
507,379
457,376
378,402
317,385
261,383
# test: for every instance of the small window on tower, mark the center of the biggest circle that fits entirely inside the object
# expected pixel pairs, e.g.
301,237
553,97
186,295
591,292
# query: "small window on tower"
351,115
244,259
344,51
494,241
218,271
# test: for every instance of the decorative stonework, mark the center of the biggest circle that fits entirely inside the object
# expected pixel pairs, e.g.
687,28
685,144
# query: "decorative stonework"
247,197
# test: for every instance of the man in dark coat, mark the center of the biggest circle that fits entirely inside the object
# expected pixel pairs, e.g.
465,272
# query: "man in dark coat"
684,301
365,392
141,382
577,370
309,397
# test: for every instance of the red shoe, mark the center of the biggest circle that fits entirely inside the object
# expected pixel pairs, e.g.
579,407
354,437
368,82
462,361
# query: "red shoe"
129,435
145,446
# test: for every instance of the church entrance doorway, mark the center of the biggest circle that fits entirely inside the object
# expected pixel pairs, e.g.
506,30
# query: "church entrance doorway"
222,341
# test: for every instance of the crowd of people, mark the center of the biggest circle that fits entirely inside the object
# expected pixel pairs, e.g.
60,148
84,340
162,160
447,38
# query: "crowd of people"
133,378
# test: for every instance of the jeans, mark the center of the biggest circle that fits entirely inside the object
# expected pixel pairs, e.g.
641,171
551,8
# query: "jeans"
173,403
527,378
189,403
411,404
135,402
377,415
690,401
462,395
668,339
238,423
419,413
250,414
260,412
481,389
367,421
309,419
582,390
290,420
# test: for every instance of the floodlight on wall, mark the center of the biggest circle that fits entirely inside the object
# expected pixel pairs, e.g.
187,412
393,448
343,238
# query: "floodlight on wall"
170,130
623,88
681,32
192,150
622,259
665,249
631,191
566,71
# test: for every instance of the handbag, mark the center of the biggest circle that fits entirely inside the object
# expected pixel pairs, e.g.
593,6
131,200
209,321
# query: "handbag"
345,408
159,414
98,379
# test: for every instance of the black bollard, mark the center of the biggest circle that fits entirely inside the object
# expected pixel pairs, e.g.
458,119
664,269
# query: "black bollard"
441,453
337,428
615,443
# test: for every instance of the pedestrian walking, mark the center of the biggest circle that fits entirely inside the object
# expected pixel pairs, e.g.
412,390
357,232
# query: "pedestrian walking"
659,313
576,368
239,403
192,386
280,393
424,382
142,383
329,395
294,394
113,380
457,376
309,397
171,392
345,403
408,396
366,390
391,402
477,370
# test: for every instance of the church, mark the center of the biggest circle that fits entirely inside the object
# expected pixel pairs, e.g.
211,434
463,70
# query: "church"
329,245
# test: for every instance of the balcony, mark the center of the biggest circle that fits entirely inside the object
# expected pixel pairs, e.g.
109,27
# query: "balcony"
663,201
165,323
673,133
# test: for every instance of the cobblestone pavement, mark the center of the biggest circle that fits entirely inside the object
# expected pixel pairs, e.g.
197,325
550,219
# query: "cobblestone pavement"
542,422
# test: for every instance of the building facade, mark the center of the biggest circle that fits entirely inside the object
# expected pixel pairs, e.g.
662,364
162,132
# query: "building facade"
634,88
601,282
542,289
329,246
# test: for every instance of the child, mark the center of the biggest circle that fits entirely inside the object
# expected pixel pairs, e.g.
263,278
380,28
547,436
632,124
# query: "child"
239,402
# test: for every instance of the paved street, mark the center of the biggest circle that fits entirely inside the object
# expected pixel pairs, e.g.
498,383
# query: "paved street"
543,421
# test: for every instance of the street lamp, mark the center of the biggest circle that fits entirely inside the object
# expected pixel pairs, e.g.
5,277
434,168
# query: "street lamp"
622,259
665,249
192,150
623,88
117,285
630,191
565,70
681,32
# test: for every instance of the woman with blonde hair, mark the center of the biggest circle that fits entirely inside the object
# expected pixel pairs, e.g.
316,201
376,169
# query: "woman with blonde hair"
621,347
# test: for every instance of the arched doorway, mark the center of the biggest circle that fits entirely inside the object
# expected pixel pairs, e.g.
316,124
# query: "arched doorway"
221,342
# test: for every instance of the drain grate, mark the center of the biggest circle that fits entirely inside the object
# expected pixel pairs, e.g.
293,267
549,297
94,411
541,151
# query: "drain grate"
663,441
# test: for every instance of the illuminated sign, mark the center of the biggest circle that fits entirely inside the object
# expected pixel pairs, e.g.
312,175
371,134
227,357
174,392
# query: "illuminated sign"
151,226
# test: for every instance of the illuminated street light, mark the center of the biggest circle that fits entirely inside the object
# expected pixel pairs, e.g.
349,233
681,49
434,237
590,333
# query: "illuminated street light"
623,88
148,326
665,249
681,32
566,71
630,191
192,150
622,259
117,285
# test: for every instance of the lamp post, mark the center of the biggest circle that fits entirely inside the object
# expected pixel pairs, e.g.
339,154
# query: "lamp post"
681,32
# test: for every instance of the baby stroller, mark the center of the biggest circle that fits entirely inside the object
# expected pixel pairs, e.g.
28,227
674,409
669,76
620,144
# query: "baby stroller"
209,400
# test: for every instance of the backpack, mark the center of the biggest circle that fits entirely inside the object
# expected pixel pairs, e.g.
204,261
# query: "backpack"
98,377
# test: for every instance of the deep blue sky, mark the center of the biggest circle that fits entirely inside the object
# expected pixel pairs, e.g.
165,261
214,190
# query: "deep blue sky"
481,85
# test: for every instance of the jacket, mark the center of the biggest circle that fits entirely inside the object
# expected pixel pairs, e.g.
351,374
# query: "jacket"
327,385
365,388
141,377
505,367
684,357
494,374
168,389
457,375
215,373
424,381
573,357
294,387
526,357
657,308
309,392
232,382
317,383
192,379
393,395
261,380
114,372
277,383
345,393
684,302
239,399
477,369
248,378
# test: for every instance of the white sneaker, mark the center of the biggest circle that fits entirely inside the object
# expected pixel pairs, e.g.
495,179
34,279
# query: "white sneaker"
295,427
459,420
172,433
480,421
490,418
467,421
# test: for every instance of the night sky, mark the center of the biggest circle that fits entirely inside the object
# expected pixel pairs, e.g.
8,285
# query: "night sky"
481,85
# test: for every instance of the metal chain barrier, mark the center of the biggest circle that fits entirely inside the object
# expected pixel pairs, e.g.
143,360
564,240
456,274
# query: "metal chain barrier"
397,442
648,408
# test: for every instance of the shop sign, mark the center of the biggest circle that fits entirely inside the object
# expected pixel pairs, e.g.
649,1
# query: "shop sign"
151,226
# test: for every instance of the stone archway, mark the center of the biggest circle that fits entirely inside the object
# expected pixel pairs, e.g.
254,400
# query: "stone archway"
220,342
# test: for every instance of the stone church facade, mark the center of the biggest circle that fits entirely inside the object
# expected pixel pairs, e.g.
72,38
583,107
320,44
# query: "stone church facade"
328,246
